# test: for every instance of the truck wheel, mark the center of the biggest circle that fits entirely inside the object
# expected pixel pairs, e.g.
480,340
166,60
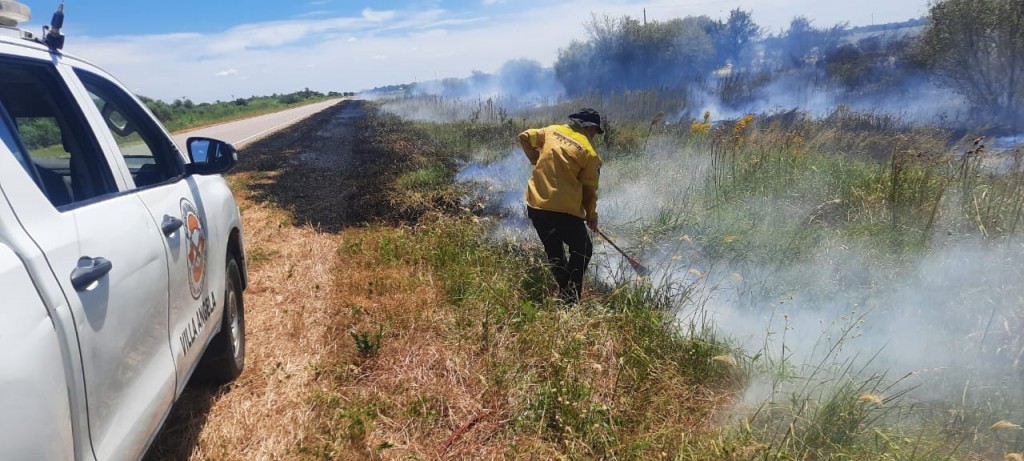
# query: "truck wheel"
225,358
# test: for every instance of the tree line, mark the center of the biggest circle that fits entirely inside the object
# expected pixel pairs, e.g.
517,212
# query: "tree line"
972,47
183,113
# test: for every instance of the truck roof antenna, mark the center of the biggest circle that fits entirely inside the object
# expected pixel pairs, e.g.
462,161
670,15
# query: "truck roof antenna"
51,34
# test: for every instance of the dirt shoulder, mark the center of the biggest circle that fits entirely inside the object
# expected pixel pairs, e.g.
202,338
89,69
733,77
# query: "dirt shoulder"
298,190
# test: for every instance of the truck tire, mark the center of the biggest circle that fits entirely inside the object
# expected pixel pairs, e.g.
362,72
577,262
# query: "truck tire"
225,358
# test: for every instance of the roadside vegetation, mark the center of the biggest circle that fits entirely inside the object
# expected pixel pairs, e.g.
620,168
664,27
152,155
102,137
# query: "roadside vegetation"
823,214
839,284
390,324
182,113
455,347
856,268
386,325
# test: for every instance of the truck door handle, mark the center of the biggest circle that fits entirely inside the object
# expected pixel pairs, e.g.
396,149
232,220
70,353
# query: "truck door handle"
88,271
170,225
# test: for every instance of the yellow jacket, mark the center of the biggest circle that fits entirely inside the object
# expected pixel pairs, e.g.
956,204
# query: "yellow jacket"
566,169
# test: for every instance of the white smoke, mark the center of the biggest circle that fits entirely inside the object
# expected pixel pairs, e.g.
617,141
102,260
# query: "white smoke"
956,308
950,318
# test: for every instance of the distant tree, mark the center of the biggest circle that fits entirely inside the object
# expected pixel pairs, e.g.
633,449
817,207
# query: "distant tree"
976,47
39,132
803,43
479,79
847,64
160,109
874,64
528,79
871,45
625,54
520,74
693,50
736,33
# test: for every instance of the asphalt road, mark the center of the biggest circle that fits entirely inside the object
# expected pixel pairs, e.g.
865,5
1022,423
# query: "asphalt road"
242,132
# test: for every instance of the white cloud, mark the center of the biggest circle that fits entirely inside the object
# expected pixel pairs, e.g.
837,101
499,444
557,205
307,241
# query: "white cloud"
429,34
377,16
225,73
276,34
313,14
398,46
456,22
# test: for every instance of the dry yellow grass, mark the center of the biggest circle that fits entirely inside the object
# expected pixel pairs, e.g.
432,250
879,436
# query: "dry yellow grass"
304,297
265,413
419,386
305,384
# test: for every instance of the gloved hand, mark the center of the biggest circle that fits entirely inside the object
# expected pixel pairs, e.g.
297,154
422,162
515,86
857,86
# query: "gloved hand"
592,222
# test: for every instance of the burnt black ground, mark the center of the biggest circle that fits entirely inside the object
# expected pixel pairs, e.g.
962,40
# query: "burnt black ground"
329,171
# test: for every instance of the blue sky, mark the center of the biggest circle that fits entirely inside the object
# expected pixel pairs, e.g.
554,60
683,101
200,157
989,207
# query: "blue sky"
209,50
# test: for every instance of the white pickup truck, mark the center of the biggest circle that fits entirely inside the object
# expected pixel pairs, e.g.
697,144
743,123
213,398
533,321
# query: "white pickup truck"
121,259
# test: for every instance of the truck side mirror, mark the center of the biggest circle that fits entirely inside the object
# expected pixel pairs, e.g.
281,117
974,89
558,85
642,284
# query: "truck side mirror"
210,156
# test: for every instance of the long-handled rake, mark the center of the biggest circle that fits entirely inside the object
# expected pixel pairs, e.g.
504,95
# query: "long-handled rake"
639,267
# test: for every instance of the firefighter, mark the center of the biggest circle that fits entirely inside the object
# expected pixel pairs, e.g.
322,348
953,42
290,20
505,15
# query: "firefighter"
561,197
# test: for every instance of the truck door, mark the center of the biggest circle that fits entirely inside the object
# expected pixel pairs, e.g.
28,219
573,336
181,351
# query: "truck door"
35,394
155,171
103,248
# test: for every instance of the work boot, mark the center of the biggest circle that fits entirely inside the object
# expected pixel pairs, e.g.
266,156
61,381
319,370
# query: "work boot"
570,294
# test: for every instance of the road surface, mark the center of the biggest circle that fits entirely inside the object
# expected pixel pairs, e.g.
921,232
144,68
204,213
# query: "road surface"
242,132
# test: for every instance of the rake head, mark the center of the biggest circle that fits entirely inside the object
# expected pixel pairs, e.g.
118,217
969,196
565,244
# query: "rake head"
637,266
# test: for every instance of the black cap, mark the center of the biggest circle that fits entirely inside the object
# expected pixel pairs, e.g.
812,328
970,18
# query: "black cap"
588,117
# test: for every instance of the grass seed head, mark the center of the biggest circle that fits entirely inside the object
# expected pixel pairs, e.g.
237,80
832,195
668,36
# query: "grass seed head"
658,118
1004,424
873,398
726,359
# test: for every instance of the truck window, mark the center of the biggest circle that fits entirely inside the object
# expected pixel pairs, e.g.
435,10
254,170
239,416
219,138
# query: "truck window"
68,164
149,154
7,136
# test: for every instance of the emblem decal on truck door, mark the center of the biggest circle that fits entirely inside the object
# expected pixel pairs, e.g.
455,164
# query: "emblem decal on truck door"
195,237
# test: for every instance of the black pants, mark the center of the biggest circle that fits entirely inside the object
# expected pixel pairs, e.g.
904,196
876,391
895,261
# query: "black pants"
556,230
